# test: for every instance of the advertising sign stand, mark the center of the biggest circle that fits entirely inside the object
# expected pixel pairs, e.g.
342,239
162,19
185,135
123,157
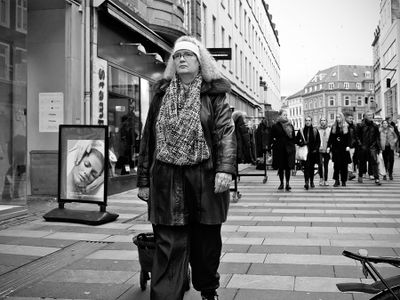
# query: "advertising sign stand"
82,176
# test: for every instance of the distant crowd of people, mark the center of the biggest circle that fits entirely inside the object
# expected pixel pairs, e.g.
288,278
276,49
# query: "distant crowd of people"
363,149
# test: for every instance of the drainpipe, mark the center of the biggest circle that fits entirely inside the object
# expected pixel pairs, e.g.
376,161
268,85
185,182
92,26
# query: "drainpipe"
87,63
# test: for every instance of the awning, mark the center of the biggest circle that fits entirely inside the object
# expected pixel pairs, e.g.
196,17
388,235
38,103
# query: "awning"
116,10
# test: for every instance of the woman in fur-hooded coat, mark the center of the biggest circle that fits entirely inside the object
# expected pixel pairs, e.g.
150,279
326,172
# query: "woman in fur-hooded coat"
186,162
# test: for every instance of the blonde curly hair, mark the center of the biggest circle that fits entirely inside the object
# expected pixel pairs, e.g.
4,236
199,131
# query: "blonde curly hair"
208,66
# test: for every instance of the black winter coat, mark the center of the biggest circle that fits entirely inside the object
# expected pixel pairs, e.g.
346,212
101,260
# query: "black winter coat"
283,147
181,194
243,141
312,140
368,136
338,142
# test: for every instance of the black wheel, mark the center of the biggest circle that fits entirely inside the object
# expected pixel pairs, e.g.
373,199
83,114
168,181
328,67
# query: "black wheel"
143,280
387,295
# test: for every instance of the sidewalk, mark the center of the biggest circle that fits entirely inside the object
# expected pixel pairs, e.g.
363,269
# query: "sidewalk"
276,244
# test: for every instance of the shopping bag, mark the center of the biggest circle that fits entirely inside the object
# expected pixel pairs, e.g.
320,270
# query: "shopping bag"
301,152
381,165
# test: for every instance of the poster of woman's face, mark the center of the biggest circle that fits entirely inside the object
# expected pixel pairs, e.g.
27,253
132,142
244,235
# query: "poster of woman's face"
82,165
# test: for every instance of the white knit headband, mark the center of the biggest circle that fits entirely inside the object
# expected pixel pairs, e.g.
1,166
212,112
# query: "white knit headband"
185,45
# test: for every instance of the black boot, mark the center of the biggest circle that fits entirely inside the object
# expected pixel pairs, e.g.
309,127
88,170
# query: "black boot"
280,186
288,188
337,183
306,185
209,295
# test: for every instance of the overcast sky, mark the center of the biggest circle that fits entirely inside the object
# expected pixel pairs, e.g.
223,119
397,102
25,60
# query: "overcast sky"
317,34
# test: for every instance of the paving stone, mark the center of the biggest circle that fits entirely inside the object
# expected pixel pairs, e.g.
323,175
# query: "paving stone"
115,264
246,294
285,249
233,268
291,270
263,282
56,290
235,248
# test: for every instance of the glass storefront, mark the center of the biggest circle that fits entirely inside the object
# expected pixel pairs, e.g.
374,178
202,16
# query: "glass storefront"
13,74
126,94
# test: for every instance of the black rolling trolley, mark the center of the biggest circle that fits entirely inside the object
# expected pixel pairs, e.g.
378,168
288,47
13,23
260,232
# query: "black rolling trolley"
236,195
146,247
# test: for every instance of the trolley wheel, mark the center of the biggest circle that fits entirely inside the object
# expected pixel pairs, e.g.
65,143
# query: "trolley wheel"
265,179
144,276
236,196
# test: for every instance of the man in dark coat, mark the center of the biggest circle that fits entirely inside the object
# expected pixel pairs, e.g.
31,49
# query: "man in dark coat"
368,141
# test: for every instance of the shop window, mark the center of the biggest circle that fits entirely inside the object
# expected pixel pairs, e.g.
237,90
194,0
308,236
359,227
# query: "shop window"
20,64
4,61
5,13
124,120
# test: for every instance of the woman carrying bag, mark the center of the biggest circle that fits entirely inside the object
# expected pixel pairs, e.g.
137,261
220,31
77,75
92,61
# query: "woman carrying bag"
309,136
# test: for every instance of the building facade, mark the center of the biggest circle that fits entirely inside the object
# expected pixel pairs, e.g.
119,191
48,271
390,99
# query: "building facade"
342,88
246,27
386,51
93,62
78,62
294,108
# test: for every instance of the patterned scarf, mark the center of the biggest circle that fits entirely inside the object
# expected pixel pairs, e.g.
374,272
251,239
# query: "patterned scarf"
180,137
286,125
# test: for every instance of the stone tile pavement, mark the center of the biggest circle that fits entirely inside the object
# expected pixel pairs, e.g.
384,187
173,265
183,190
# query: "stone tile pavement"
276,244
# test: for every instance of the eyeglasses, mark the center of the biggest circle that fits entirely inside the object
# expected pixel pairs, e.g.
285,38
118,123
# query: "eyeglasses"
185,55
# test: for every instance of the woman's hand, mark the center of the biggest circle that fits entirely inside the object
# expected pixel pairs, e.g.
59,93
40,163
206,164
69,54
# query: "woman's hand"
347,149
144,193
222,182
95,184
328,150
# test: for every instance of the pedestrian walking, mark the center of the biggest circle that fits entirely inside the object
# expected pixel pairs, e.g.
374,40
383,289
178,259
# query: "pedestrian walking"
368,141
186,162
283,148
351,170
338,144
388,139
309,136
396,130
324,156
242,137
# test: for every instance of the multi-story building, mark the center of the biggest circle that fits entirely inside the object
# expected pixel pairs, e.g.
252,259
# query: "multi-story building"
246,27
339,89
386,51
294,109
54,52
97,60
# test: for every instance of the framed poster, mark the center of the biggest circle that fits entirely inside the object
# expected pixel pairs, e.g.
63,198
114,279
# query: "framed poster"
83,164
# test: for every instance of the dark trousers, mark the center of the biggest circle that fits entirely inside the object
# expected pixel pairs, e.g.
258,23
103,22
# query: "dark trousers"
323,165
370,156
176,247
309,167
388,159
340,168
